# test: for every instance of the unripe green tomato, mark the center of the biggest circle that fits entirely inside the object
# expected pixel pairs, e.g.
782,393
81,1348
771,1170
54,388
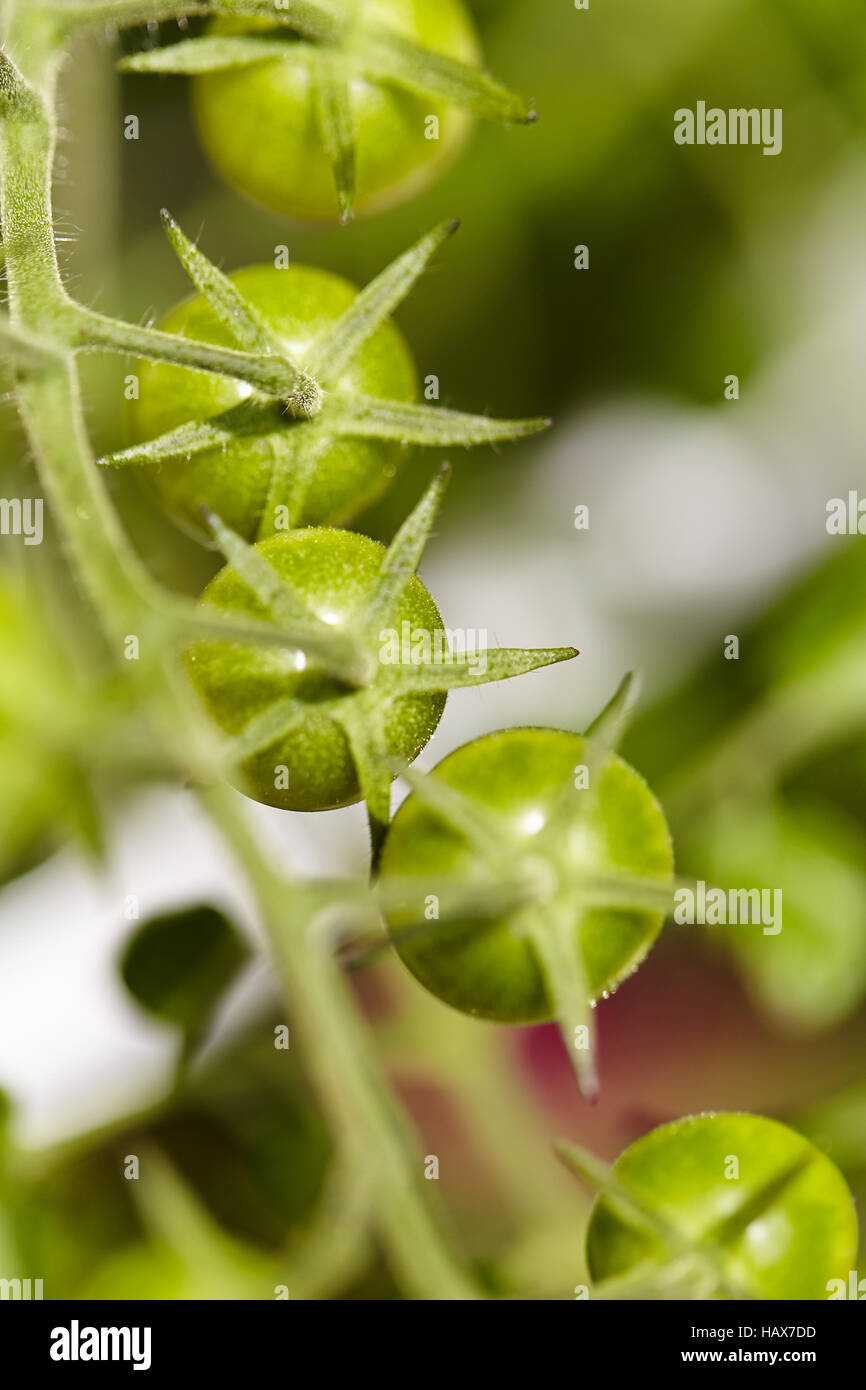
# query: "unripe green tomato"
697,1172
335,572
299,303
258,123
489,968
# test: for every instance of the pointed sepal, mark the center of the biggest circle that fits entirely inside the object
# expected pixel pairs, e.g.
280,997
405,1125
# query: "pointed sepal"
335,118
368,417
461,670
392,58
336,651
332,352
404,556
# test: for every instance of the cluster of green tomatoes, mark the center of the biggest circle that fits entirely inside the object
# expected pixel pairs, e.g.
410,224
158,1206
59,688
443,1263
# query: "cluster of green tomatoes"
529,873
536,858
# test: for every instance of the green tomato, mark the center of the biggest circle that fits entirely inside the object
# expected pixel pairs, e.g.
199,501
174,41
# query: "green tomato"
299,303
490,968
335,573
710,1178
258,123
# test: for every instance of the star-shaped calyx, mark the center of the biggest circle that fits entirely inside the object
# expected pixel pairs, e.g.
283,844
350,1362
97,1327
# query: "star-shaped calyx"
689,1263
341,43
367,682
317,408
543,867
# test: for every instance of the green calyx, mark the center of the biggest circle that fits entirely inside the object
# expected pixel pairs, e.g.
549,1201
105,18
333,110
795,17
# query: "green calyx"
339,712
717,1207
550,865
295,412
339,44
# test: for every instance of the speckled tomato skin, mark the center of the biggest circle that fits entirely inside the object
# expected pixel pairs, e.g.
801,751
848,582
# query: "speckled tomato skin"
258,128
489,971
807,1237
299,303
334,571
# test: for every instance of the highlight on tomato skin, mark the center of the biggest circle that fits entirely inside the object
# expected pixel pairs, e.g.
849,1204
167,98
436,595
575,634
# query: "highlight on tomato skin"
258,124
733,1205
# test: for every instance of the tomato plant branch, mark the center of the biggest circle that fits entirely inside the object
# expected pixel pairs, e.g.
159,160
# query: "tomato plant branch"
351,1085
347,1074
276,375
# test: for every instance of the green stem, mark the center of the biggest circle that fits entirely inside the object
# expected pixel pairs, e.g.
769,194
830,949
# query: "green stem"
342,1061
27,140
348,1076
114,579
269,372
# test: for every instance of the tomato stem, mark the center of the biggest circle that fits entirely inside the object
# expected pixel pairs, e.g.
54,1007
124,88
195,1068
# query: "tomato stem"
350,1083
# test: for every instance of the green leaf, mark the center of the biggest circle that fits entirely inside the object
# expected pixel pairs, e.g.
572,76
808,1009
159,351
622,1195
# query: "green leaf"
180,965
332,352
366,417
805,961
213,1265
